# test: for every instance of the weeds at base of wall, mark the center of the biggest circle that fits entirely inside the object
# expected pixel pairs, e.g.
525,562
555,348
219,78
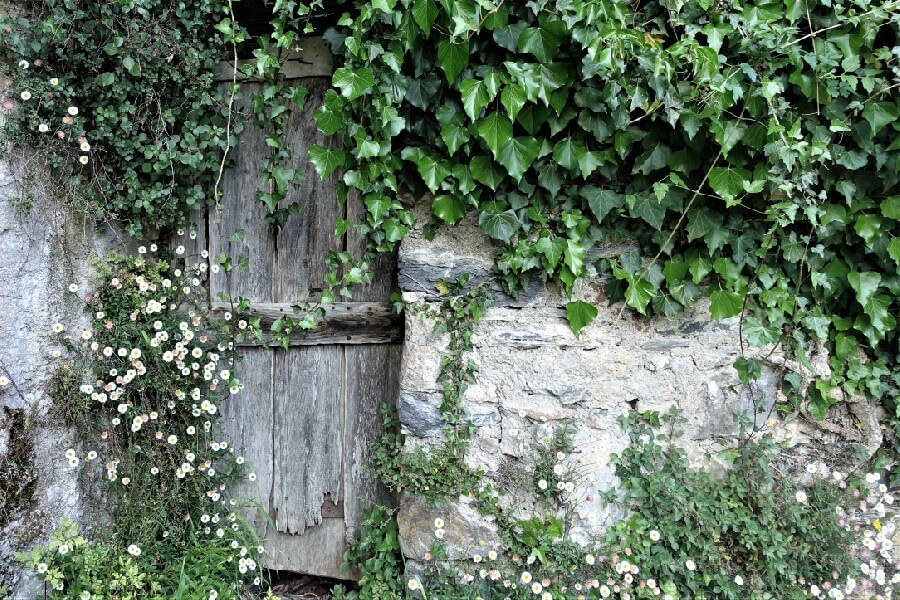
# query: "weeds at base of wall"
772,528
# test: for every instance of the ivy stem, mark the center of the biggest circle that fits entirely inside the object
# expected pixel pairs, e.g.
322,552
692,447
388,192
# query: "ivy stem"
234,88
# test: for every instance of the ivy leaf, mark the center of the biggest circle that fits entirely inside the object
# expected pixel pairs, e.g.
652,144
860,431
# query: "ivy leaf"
448,208
453,58
422,90
879,115
867,227
386,6
878,310
543,42
638,294
890,208
326,160
433,171
656,158
329,117
495,129
500,226
552,249
864,284
647,207
725,304
602,201
728,182
706,63
475,97
378,206
484,170
424,13
518,154
894,249
565,152
758,334
353,83
580,314
454,136
513,99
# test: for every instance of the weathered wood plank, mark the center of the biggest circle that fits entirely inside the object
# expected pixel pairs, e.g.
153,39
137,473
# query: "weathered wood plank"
319,551
373,380
314,60
306,238
345,323
238,209
247,420
308,435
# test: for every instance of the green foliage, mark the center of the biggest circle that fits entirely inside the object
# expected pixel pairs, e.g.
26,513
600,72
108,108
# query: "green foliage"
143,386
375,554
440,472
748,522
144,145
750,150
272,104
71,566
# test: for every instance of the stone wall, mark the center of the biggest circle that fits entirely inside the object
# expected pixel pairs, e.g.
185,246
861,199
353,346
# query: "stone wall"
43,250
535,374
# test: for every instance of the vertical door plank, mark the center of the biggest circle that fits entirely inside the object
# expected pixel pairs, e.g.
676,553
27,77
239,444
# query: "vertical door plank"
319,551
247,422
305,240
238,209
373,380
307,435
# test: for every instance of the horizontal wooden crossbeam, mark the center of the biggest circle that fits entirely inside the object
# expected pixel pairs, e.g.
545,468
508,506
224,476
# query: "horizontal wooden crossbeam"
345,323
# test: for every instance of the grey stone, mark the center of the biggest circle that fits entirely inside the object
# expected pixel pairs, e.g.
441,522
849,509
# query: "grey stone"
420,415
466,531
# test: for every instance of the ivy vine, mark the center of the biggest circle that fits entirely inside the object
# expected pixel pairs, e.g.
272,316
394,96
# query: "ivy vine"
117,100
749,149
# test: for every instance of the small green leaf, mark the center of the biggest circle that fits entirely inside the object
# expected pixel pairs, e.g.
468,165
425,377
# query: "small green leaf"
864,284
880,114
580,314
890,208
475,97
353,83
448,208
495,129
638,294
867,227
326,160
725,304
424,13
453,58
378,206
543,42
500,226
513,98
601,201
484,170
518,154
728,182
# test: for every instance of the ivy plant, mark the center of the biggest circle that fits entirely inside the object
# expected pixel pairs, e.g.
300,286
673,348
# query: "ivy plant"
118,100
749,149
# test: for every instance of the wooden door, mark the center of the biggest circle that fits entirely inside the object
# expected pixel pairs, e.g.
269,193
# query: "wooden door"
306,415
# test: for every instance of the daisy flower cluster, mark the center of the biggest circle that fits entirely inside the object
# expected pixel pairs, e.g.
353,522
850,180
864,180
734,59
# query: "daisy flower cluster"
153,372
561,570
46,107
872,520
